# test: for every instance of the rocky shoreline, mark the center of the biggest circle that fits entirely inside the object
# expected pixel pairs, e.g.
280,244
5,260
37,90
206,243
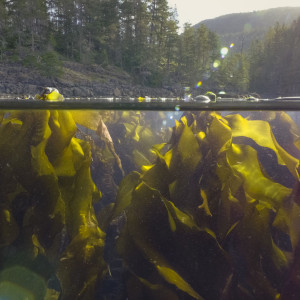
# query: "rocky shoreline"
77,80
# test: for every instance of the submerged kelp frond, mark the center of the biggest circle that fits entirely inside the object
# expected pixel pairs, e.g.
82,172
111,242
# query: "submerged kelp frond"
212,214
213,196
129,135
149,242
47,195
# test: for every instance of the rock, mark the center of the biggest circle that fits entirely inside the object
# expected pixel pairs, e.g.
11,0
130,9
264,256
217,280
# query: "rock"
91,93
76,92
117,92
77,81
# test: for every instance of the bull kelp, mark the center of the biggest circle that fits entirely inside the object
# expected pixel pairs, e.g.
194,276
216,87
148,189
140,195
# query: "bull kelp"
127,205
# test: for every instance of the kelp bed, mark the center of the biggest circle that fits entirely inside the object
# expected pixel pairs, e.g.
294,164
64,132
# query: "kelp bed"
208,209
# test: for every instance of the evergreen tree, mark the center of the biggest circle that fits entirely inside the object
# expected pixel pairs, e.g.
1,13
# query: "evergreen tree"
171,51
28,21
233,74
256,66
292,76
134,35
3,28
186,59
198,48
161,26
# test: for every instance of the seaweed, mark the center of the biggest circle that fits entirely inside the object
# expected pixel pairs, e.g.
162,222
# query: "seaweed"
47,197
208,209
209,219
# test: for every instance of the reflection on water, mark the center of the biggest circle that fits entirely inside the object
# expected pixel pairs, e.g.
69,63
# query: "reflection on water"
136,204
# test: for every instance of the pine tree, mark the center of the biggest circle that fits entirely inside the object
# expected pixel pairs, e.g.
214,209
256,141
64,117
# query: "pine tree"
256,67
29,21
3,28
292,76
186,54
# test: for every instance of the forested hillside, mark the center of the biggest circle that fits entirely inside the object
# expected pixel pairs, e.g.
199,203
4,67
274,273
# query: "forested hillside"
274,62
243,28
139,38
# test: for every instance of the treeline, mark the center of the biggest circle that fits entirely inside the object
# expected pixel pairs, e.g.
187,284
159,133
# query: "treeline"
271,67
142,38
275,61
139,36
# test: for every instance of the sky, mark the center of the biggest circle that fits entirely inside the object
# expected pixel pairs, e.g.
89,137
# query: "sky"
194,11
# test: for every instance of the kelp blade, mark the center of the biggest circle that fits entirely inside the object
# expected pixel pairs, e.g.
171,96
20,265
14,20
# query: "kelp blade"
111,204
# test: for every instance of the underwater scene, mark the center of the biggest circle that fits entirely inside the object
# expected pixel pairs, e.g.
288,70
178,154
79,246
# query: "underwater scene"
167,205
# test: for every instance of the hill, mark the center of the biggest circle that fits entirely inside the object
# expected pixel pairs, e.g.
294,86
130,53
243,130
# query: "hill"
242,28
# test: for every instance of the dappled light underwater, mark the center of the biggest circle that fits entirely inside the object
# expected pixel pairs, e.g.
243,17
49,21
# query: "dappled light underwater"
149,205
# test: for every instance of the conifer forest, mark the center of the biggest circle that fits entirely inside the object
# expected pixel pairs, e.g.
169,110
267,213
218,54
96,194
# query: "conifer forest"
142,37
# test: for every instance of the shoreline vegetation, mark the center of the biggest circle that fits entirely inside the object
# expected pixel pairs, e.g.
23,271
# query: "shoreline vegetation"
134,48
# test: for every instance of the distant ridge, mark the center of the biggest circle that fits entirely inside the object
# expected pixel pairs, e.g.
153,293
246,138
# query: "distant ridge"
242,28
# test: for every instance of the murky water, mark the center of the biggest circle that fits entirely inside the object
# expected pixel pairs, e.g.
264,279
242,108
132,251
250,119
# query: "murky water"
170,200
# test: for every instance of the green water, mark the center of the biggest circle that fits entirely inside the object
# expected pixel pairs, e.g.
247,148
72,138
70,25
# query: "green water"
166,200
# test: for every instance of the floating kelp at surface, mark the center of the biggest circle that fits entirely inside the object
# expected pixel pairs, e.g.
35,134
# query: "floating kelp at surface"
48,224
211,219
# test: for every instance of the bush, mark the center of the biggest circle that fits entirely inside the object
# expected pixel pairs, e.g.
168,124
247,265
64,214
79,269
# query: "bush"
48,63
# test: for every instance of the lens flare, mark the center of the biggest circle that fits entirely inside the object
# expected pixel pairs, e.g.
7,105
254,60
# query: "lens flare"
199,83
216,64
231,45
224,51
